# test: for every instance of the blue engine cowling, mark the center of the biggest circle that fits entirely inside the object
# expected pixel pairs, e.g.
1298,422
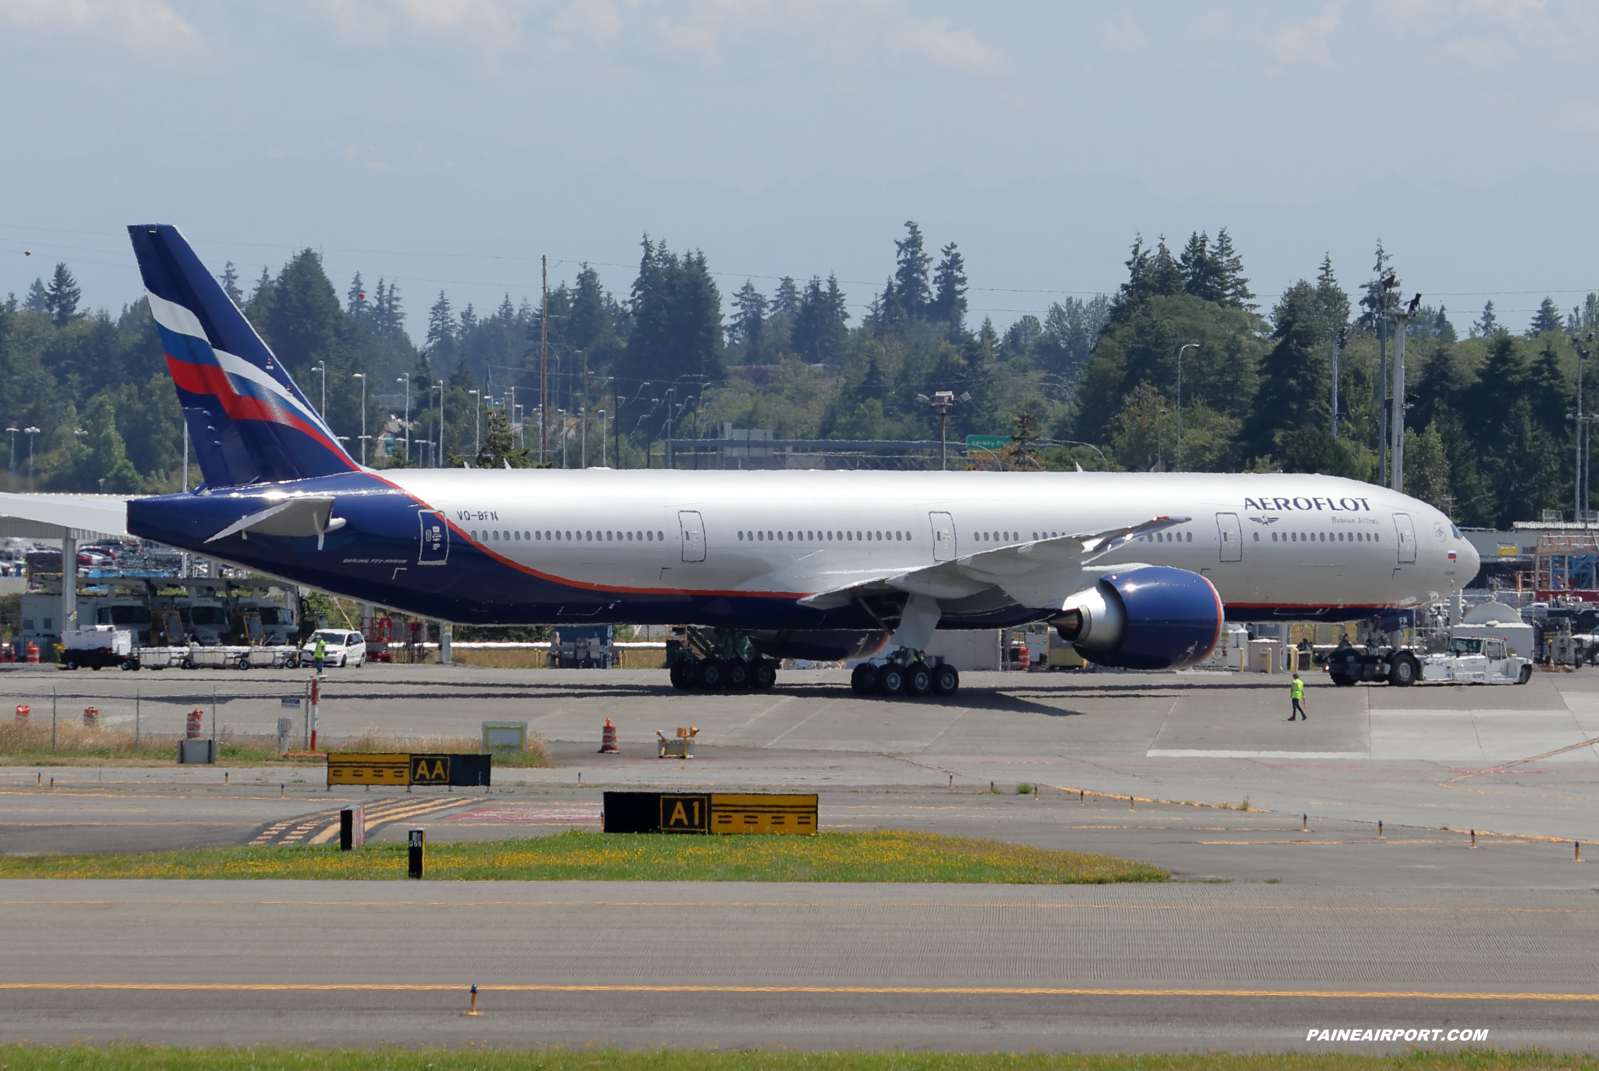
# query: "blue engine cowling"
1150,618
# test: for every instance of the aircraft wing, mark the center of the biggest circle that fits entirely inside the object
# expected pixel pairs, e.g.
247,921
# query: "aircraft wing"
1039,573
63,516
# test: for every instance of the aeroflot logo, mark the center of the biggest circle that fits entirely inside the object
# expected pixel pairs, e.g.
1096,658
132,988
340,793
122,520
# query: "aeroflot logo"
1344,505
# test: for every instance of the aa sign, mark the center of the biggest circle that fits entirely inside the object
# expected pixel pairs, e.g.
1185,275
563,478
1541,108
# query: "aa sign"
430,769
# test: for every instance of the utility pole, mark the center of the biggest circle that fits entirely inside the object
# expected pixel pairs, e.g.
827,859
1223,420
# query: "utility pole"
438,448
583,423
477,421
604,430
1339,338
1402,321
544,361
666,447
1188,346
11,458
406,376
1582,421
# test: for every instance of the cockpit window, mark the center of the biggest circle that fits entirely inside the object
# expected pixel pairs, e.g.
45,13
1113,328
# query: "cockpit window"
1456,530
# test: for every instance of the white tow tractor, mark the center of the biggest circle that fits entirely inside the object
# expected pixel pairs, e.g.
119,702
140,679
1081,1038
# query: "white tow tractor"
1467,660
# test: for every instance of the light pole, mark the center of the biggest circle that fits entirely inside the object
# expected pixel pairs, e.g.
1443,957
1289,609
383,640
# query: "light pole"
1180,352
603,433
406,376
322,366
1339,340
943,401
583,424
11,456
1582,420
561,414
438,447
477,420
362,377
1397,450
30,432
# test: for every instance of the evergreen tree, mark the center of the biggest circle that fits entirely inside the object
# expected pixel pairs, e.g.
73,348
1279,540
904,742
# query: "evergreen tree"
1021,337
1023,448
749,321
62,296
786,301
819,326
949,301
499,449
910,277
888,313
230,284
468,320
38,300
1293,376
1202,273
441,328
106,457
1442,329
1427,468
1488,324
1230,266
1547,318
355,302
677,317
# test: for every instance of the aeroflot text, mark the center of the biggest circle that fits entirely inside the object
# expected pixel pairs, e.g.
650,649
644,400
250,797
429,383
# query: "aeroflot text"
1346,505
1396,1035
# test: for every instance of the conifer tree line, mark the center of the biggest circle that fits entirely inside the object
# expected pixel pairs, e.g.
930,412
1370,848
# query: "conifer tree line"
1488,437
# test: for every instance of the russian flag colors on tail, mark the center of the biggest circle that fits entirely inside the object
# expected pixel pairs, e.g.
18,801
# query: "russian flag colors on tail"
248,421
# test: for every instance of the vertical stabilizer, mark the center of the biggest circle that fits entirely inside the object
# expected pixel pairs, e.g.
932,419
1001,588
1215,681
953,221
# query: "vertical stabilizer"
248,420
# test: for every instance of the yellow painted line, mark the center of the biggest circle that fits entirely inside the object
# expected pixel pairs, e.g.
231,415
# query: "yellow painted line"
998,991
326,835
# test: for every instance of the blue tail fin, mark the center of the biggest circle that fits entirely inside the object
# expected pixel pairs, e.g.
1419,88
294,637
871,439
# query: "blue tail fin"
248,420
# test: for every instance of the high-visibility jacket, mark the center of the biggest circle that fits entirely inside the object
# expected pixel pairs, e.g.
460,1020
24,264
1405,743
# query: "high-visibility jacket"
322,650
1299,688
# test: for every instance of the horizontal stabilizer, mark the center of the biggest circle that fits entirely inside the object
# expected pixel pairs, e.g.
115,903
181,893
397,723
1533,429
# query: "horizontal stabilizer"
305,515
63,516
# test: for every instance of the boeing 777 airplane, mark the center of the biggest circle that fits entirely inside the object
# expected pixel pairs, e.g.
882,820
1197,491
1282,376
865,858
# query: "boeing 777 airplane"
1137,570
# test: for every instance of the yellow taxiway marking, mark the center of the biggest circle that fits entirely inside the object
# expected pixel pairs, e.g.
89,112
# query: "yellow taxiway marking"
907,990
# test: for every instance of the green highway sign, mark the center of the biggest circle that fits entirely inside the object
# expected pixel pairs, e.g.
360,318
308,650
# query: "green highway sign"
987,442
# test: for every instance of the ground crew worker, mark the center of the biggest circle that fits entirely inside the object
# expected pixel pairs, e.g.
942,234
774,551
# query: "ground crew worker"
321,652
1297,690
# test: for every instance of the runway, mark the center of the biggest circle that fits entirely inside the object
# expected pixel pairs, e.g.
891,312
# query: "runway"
831,966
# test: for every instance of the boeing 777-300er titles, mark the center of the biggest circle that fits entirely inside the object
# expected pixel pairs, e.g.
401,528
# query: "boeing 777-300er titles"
1138,570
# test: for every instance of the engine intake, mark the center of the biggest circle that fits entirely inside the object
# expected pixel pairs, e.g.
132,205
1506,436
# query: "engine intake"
1150,618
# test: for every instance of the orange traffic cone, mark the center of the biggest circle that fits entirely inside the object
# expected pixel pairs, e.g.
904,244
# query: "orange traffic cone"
1025,658
608,739
91,717
192,730
23,711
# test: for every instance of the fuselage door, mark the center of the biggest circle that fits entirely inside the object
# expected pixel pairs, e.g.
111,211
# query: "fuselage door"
943,536
1407,538
1232,537
435,539
693,535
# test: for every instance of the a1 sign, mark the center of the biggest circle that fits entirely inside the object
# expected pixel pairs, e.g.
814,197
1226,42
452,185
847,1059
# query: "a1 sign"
685,814
430,769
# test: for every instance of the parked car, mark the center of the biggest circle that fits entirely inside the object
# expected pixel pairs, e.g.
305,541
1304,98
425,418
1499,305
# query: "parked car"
344,647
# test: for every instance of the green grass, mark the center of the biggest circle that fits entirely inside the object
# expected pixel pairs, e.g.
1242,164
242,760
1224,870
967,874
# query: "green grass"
140,1058
880,856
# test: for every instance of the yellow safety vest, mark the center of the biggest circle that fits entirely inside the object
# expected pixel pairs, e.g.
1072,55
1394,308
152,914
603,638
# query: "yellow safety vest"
1299,689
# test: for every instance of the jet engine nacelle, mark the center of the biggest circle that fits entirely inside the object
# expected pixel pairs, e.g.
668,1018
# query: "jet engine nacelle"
1150,618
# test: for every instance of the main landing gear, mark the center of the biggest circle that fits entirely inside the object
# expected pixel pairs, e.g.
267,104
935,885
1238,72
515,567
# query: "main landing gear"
906,673
720,661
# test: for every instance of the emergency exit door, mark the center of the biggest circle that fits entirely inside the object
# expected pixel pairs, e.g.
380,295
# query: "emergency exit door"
693,535
943,536
1232,537
1406,531
435,549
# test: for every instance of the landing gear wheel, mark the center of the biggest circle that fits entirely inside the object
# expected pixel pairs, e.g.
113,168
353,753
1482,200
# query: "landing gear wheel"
682,675
891,680
709,675
763,675
918,679
1404,671
946,680
864,679
736,675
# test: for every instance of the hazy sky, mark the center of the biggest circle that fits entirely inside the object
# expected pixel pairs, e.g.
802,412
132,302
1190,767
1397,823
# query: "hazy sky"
449,143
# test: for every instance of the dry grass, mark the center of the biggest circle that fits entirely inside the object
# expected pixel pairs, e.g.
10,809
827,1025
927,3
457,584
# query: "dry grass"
374,741
32,746
535,658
